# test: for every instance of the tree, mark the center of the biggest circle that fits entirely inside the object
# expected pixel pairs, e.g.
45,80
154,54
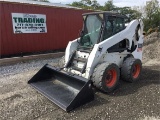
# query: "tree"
152,15
109,6
77,4
87,4
130,13
41,0
95,4
81,4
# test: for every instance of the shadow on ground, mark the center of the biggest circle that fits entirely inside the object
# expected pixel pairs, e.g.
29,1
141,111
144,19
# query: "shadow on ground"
150,75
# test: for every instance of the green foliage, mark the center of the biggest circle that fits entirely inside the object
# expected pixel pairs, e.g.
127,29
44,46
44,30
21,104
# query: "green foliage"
41,0
95,5
108,6
152,15
87,4
132,14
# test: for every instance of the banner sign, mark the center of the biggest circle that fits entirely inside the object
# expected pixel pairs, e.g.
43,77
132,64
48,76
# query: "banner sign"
29,23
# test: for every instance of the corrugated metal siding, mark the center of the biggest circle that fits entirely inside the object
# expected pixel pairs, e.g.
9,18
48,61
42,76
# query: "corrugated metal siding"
31,2
62,26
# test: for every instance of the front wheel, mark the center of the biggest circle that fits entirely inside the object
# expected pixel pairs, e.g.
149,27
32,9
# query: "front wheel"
131,69
106,77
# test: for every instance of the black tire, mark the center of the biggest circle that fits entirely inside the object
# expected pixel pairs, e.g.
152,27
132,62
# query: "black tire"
131,69
103,78
61,62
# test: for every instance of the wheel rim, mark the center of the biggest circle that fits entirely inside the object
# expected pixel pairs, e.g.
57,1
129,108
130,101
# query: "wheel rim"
111,77
136,70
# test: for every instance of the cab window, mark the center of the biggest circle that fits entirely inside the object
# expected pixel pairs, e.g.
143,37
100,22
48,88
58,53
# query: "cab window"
120,25
109,27
113,25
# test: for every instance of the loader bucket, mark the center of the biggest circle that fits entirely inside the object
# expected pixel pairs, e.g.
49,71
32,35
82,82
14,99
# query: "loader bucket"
68,91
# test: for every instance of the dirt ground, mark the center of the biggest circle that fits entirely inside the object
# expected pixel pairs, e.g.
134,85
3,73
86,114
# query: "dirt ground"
138,100
131,101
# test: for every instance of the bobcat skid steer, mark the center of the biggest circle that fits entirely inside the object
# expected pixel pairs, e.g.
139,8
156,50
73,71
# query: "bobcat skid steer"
108,49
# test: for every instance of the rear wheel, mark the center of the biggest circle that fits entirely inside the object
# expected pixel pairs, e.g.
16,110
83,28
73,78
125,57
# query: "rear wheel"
106,77
61,62
131,69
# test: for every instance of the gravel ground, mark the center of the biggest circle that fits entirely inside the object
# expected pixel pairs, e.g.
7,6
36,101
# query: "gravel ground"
131,101
151,52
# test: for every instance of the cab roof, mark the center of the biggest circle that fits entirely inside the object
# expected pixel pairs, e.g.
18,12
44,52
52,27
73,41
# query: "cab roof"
107,13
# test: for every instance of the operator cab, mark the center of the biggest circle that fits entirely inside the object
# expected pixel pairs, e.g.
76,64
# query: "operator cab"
99,26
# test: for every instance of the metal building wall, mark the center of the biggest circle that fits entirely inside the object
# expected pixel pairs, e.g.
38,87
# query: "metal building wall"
63,25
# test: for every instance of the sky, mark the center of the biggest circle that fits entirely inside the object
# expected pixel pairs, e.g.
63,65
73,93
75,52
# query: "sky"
119,3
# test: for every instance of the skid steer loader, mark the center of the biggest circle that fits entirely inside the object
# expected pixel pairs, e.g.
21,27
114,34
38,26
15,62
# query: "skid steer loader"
108,49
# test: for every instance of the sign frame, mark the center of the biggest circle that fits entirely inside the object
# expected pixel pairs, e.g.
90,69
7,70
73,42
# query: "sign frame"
28,23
